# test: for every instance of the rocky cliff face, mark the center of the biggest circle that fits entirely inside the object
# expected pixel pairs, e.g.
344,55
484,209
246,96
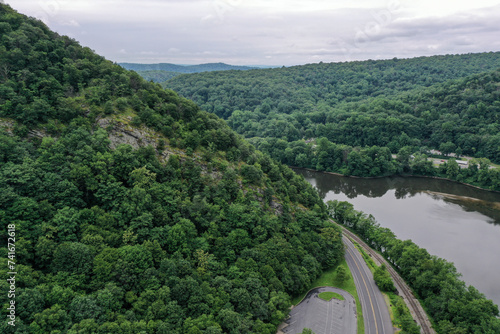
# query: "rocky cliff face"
7,124
121,132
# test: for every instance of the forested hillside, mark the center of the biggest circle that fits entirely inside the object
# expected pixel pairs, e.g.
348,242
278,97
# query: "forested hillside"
465,113
313,101
318,88
459,116
196,232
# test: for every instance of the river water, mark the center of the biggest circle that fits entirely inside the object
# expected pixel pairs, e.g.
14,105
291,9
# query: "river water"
458,223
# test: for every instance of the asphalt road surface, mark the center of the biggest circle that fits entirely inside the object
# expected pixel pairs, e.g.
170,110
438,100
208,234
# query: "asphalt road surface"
375,310
323,317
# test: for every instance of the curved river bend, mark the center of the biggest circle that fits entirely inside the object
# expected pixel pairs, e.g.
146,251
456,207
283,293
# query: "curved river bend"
458,223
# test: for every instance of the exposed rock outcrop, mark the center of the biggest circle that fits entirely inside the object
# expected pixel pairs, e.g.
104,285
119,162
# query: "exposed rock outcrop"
120,132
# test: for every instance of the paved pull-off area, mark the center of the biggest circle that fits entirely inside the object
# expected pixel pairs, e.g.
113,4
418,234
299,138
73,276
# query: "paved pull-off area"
323,317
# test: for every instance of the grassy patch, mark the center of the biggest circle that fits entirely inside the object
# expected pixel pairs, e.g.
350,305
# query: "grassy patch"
390,304
495,165
396,314
368,259
328,295
329,278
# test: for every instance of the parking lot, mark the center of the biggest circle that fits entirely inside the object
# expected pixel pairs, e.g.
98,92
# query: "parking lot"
323,317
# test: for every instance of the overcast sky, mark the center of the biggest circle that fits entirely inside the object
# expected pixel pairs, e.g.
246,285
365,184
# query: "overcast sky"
271,32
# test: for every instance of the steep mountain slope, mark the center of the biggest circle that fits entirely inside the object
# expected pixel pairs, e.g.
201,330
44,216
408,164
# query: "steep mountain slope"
133,210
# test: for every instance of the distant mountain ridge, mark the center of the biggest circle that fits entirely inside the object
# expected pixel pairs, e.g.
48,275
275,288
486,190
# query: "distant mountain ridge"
209,67
165,71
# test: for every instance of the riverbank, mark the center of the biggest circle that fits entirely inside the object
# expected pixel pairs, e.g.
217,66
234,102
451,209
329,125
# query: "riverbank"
397,175
435,214
415,265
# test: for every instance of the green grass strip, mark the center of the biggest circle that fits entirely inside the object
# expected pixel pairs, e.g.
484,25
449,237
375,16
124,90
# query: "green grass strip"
328,295
368,259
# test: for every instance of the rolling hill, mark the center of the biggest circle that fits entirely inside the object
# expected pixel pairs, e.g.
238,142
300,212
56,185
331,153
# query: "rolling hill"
370,109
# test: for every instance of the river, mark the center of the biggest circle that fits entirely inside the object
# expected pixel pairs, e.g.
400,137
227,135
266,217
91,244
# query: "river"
458,223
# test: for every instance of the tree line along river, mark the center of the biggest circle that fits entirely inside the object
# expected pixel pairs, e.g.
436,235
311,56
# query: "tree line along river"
458,223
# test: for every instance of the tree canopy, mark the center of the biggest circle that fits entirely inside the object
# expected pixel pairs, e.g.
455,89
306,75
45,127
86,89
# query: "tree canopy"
194,232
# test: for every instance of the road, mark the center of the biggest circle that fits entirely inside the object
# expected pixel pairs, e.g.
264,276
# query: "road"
375,310
438,161
404,291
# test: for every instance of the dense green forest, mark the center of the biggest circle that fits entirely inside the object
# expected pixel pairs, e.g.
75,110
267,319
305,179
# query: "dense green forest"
463,113
196,232
455,308
316,90
451,103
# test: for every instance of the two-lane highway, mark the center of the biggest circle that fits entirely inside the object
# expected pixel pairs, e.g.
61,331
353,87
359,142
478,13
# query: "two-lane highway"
375,310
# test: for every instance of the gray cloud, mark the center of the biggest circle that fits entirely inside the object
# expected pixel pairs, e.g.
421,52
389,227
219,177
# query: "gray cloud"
263,32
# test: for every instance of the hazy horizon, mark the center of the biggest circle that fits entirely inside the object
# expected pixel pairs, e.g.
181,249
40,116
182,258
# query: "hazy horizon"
261,65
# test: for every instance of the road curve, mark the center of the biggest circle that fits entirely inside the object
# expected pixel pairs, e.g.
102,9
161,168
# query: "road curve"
404,291
375,310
